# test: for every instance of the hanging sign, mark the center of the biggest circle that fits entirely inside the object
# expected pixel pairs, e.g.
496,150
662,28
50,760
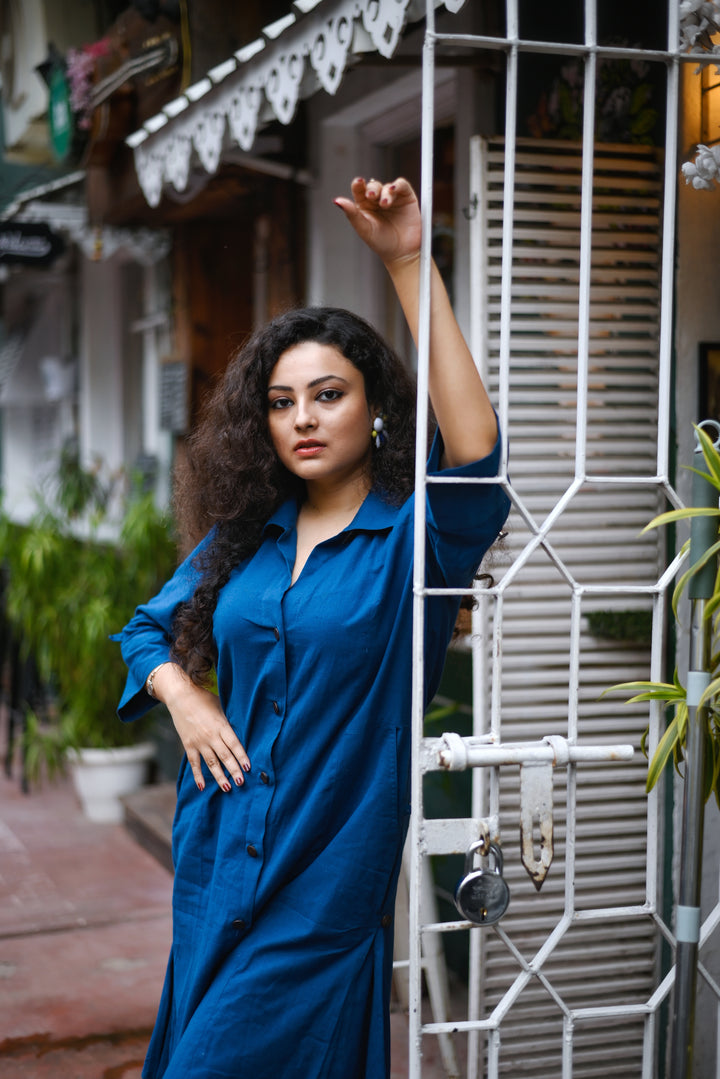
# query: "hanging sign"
60,117
29,243
174,396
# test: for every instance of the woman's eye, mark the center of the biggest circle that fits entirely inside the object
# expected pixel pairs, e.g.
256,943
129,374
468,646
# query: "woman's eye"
330,395
280,402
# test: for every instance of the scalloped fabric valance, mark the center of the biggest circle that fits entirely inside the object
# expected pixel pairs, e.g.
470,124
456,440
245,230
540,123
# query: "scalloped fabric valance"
307,50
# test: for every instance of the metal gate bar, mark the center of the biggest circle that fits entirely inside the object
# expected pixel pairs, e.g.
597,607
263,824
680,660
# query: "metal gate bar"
416,815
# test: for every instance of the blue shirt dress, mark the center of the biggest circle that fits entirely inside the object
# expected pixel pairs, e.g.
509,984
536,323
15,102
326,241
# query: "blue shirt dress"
284,888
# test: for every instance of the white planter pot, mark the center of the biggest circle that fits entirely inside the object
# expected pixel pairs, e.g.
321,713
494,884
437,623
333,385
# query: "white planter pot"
103,776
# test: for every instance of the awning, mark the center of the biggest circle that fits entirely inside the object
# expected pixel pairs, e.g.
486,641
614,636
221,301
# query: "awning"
307,50
38,205
34,191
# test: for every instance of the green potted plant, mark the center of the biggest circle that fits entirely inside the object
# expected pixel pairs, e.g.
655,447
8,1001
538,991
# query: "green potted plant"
73,578
671,747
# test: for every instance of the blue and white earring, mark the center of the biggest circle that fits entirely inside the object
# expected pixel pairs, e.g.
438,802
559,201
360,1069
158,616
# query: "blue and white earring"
378,432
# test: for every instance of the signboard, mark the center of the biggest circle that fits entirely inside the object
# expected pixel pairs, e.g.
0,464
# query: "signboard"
60,117
29,243
174,396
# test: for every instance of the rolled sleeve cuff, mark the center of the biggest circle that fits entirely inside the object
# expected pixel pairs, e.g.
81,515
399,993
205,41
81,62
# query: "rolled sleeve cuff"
136,701
483,505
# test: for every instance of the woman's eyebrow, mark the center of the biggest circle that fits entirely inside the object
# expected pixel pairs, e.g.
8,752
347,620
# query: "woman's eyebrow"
327,378
315,382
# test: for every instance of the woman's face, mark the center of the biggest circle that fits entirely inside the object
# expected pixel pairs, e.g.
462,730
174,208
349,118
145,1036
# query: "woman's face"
318,415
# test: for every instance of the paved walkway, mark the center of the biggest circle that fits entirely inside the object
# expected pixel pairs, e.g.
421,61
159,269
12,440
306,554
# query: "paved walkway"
84,936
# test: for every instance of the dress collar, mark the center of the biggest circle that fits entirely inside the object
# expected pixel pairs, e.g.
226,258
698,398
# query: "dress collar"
374,515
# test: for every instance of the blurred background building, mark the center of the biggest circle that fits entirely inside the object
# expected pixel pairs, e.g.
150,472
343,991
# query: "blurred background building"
167,181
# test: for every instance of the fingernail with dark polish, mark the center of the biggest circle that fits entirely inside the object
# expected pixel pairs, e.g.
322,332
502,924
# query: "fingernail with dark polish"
226,787
239,781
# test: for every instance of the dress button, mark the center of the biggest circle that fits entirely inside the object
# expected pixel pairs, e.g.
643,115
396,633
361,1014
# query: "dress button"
264,778
276,631
252,850
276,708
386,921
239,923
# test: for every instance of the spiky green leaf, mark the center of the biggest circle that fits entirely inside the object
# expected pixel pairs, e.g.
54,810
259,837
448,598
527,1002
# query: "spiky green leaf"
663,753
711,455
709,692
681,515
649,691
707,555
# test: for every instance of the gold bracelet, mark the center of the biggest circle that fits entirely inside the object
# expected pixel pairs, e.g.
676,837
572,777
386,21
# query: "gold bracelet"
149,689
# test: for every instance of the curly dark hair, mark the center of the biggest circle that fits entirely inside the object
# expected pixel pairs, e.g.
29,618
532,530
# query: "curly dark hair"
233,480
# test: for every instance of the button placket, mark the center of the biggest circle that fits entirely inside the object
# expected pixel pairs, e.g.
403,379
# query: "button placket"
275,683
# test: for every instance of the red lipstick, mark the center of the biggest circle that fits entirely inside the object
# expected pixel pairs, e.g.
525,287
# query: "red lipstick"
308,447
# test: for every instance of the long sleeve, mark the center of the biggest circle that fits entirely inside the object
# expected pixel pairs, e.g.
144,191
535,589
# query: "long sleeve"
146,640
463,520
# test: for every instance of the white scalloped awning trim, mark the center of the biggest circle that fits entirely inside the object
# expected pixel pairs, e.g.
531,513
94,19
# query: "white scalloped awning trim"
305,51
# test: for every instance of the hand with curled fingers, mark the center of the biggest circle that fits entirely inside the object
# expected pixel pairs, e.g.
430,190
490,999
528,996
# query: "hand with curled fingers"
202,727
386,216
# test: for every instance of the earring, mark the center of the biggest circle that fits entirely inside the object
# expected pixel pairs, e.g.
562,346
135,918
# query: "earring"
378,432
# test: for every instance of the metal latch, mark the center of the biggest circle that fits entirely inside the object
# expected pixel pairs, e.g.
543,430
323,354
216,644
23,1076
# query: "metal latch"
538,761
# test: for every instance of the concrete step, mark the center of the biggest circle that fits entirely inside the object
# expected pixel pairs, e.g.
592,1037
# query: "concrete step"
149,816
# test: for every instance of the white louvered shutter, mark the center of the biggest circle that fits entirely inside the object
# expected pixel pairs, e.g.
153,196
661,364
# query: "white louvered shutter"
554,667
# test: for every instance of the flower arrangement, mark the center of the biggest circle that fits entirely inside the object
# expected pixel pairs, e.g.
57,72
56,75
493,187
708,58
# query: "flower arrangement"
704,169
699,23
624,109
80,65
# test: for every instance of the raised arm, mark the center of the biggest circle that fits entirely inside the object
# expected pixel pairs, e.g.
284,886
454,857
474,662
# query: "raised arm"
387,218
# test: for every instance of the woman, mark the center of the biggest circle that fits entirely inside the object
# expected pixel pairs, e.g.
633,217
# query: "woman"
293,794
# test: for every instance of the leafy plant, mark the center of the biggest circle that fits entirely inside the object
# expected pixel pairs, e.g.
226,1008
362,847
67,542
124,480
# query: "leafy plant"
624,108
671,746
621,625
68,588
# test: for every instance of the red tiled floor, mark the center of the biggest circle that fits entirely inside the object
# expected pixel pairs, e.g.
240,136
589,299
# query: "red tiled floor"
59,870
85,930
82,982
99,1058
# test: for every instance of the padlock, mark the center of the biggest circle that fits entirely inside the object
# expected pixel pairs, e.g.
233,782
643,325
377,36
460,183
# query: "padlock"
482,896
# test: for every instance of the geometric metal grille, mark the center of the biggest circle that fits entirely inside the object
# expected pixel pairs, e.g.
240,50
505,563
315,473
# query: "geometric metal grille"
572,253
553,670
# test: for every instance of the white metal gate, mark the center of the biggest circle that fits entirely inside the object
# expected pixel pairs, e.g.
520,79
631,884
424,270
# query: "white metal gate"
572,254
